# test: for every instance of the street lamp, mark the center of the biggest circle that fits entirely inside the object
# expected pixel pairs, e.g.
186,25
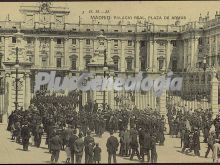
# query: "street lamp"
18,36
204,69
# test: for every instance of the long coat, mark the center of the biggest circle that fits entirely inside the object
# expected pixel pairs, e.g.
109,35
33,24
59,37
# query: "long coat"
147,141
25,134
112,144
55,143
72,141
79,146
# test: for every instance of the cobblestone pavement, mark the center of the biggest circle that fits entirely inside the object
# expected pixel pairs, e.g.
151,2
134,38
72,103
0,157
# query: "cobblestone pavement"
12,152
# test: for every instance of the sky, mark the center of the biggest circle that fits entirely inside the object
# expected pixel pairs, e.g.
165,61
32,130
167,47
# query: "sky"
153,11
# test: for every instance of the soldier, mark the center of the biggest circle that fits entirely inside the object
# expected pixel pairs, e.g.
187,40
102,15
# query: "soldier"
112,146
25,134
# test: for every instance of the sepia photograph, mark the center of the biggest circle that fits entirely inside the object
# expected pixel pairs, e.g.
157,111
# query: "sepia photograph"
109,82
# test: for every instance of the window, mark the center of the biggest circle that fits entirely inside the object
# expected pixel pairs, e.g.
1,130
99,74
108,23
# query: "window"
143,65
129,43
115,51
129,30
87,30
142,43
129,64
74,41
174,43
174,65
29,40
44,61
74,29
87,61
59,62
115,42
0,39
116,64
13,40
73,66
102,30
59,41
200,41
115,30
87,42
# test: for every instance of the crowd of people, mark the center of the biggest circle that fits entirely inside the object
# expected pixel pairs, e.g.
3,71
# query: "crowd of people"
69,129
133,132
190,125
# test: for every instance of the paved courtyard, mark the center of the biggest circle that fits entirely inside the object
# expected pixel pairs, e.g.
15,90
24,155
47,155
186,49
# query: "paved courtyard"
12,152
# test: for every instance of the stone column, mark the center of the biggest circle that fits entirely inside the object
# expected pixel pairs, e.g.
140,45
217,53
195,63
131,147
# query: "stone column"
81,62
192,52
154,57
162,103
210,51
137,56
214,94
37,52
150,55
52,53
109,51
66,53
8,91
27,96
216,50
169,51
196,47
6,48
122,59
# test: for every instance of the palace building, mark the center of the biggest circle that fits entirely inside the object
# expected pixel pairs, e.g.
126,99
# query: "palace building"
46,42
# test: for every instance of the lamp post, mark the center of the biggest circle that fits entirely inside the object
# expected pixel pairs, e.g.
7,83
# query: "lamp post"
18,36
16,79
105,68
204,69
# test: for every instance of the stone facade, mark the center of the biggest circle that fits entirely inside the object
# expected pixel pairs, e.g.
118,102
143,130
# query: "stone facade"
51,43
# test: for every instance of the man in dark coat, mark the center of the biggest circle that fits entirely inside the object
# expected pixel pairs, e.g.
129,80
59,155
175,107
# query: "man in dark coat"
153,149
112,146
196,142
87,140
146,146
55,146
79,148
38,135
25,134
72,140
141,139
134,143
